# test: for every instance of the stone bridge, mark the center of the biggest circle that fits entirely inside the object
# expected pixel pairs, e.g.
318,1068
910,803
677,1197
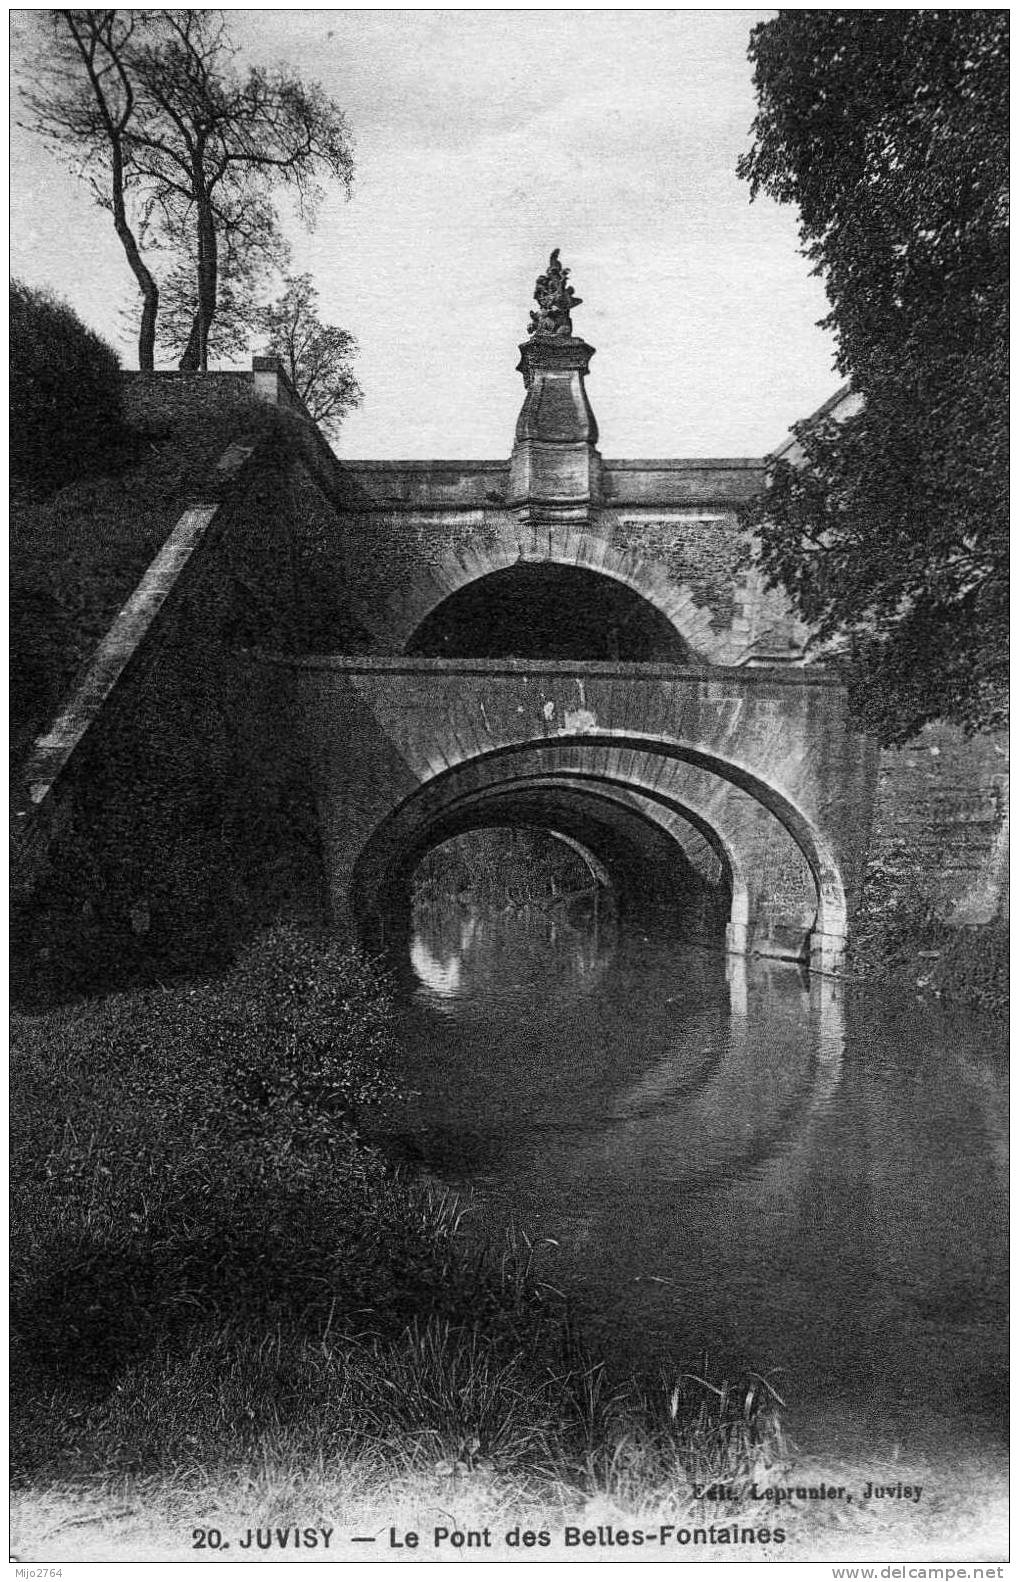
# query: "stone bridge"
752,774
404,651
582,644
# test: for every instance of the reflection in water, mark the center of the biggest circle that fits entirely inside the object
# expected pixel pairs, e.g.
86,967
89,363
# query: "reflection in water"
731,1155
470,953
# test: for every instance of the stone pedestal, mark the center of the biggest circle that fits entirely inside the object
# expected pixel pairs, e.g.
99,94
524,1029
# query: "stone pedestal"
555,466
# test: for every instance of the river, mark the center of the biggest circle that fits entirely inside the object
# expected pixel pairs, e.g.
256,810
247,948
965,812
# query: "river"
729,1158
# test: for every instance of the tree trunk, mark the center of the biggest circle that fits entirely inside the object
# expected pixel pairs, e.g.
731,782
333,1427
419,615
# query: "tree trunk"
196,352
146,284
207,276
190,360
92,31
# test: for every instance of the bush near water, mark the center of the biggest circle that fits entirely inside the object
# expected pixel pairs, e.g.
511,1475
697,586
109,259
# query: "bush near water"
210,1270
897,937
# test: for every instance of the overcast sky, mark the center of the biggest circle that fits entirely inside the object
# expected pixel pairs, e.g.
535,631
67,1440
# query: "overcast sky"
483,139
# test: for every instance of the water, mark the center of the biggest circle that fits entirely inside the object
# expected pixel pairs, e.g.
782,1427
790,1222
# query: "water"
730,1158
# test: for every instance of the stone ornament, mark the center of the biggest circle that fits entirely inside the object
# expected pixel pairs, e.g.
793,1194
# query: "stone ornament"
556,299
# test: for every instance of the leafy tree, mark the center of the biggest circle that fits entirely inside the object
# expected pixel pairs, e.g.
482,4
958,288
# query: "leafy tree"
889,132
316,356
203,150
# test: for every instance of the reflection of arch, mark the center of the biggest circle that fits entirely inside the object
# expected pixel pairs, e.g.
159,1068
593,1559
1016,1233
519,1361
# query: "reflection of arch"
628,763
562,545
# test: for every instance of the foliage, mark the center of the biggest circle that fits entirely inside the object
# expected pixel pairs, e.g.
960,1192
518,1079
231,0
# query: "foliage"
65,394
316,356
897,936
889,132
188,153
245,274
501,865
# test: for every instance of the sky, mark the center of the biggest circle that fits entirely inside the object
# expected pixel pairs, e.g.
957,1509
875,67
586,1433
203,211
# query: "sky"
482,140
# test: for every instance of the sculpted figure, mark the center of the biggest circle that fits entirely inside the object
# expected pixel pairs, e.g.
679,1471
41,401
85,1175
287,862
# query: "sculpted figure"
556,299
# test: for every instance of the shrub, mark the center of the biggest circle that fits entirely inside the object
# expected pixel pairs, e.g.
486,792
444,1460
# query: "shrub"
65,392
897,935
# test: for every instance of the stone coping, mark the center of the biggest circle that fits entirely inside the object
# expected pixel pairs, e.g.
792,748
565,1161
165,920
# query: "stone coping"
115,651
632,670
628,464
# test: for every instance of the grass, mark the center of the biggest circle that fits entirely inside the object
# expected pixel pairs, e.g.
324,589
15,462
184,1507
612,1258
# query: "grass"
211,1273
963,1516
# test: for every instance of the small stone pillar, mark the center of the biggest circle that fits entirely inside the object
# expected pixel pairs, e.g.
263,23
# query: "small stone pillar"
268,377
555,467
827,952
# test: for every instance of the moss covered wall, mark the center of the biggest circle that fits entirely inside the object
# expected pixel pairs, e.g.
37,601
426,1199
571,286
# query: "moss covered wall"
180,818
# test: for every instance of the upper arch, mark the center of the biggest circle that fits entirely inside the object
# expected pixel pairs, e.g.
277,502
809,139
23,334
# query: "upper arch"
562,546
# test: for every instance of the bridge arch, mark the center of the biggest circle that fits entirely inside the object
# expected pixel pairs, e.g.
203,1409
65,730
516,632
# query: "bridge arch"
583,550
716,863
684,826
610,827
721,800
568,749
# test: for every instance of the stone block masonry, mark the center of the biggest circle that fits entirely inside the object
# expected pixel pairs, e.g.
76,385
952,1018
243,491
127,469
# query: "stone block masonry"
763,766
412,534
941,824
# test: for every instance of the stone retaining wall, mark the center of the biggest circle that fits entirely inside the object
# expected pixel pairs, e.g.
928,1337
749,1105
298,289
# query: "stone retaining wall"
941,824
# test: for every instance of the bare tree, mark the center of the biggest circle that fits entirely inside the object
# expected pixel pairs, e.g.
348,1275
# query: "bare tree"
246,272
316,356
86,109
215,147
152,108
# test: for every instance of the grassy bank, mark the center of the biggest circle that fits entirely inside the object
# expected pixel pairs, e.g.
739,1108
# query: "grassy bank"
211,1274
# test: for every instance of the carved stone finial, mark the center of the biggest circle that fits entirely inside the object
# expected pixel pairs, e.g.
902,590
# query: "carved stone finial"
556,299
